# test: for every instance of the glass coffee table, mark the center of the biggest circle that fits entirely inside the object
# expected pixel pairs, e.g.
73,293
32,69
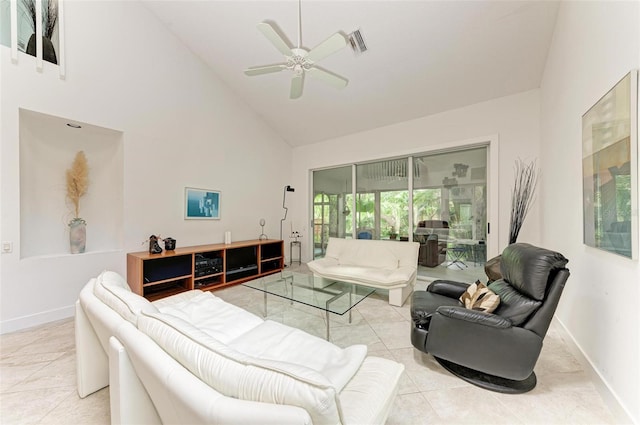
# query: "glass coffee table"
332,296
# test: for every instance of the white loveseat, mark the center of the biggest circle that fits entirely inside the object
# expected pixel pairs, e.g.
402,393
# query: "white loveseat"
390,265
193,358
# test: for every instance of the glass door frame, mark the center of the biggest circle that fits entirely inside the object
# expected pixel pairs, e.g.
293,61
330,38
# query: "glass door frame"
493,181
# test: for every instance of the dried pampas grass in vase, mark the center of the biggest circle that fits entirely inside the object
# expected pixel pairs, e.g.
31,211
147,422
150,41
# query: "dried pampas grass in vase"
77,184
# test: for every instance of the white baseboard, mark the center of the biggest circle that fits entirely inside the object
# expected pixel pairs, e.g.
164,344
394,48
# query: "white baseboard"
612,401
37,319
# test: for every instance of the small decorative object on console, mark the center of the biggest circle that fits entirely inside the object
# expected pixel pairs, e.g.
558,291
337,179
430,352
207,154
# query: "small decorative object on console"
154,246
262,235
169,244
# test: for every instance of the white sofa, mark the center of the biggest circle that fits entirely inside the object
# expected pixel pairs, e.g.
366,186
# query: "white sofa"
193,359
390,265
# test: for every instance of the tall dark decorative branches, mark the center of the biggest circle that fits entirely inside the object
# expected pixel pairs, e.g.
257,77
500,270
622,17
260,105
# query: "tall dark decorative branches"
522,195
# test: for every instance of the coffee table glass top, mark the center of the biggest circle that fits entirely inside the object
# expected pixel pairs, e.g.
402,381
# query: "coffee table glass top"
326,294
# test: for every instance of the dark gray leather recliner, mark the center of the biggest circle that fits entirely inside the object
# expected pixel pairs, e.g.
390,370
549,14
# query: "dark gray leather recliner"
496,351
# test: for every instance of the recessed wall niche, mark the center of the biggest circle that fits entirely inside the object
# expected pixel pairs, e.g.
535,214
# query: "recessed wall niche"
47,148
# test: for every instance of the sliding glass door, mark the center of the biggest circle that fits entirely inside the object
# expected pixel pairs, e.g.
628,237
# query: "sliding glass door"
450,209
437,199
452,186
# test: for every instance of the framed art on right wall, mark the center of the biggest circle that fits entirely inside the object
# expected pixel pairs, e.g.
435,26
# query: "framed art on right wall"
610,170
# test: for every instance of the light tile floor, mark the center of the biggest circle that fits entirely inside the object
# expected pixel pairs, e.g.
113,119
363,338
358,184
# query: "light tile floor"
38,377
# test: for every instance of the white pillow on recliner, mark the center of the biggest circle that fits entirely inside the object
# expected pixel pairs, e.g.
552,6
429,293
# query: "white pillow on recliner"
479,297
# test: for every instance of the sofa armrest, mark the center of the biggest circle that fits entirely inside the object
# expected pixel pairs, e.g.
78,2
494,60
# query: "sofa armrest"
92,363
319,264
448,288
172,394
130,402
407,273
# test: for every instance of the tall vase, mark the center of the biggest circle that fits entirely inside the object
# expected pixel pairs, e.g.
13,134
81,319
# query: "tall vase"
77,235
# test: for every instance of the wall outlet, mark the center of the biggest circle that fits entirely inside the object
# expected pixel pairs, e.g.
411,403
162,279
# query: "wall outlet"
7,247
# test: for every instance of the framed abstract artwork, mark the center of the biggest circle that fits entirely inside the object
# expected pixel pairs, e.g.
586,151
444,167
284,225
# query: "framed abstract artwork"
201,204
34,27
610,170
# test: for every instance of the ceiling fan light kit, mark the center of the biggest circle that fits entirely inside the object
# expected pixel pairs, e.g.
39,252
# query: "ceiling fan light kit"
300,60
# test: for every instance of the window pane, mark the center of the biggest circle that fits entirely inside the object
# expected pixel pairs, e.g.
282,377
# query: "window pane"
452,187
332,207
393,212
382,199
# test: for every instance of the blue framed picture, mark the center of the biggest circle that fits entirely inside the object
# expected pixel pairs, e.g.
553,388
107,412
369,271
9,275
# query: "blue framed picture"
201,204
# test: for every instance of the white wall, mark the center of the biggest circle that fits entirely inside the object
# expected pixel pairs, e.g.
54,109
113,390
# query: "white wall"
514,119
594,45
181,127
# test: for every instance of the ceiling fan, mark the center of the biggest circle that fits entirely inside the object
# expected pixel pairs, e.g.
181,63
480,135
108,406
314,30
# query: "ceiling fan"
300,60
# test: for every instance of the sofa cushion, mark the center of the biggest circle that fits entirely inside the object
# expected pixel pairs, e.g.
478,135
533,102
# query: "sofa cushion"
513,305
376,277
213,316
364,253
367,254
176,299
113,290
372,253
242,376
290,345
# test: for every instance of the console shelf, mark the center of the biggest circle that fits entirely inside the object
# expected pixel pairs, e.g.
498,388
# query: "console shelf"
159,282
205,267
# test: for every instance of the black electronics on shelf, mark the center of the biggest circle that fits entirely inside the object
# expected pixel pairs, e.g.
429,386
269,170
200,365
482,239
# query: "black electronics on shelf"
205,266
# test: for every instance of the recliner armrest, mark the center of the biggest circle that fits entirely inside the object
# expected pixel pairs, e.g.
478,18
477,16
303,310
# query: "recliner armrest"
448,288
474,316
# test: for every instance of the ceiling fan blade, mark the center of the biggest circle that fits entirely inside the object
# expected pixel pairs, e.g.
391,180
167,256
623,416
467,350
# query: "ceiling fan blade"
328,47
265,69
296,86
274,37
328,77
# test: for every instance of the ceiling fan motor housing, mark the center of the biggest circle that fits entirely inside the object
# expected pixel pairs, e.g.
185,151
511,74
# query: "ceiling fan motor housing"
298,62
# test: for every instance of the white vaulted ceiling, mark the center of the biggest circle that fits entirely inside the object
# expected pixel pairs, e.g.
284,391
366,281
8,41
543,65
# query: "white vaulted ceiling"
424,57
